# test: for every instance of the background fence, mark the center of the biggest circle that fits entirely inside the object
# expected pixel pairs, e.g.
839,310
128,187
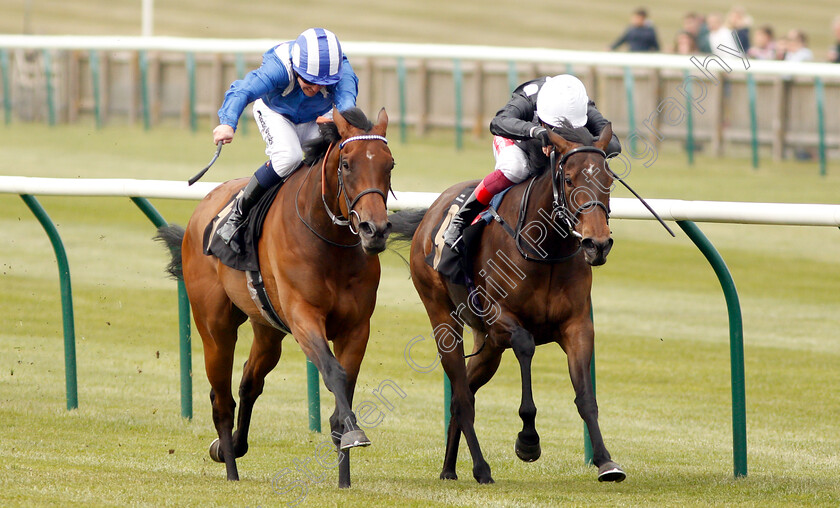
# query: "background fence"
780,105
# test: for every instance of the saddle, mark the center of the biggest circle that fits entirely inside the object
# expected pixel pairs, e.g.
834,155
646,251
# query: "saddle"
457,266
247,260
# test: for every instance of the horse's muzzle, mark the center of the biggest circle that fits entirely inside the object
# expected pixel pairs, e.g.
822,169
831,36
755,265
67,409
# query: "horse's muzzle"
374,236
595,251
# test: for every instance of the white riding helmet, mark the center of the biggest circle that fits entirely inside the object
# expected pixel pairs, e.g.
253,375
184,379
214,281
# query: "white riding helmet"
562,97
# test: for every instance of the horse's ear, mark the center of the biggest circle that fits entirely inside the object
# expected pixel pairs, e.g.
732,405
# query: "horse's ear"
605,137
381,123
341,123
559,141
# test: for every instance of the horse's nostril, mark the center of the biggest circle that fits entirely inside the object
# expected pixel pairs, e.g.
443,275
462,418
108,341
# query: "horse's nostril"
588,244
366,228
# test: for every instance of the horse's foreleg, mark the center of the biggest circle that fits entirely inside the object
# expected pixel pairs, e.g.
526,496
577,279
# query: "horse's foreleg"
349,352
265,353
527,446
313,341
579,347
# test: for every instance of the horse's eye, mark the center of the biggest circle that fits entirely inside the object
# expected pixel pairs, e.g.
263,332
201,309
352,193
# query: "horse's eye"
344,164
568,180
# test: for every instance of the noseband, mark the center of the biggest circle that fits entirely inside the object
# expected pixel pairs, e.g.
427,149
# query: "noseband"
339,219
560,202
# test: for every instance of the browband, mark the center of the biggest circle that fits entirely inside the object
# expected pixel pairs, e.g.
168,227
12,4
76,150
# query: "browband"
364,137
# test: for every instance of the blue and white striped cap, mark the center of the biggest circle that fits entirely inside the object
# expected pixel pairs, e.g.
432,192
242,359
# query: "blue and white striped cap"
316,56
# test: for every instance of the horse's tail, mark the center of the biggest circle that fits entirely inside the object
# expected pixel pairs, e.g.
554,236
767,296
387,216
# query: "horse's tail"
172,236
404,224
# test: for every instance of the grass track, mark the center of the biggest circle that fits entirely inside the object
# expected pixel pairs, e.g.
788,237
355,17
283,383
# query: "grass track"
662,352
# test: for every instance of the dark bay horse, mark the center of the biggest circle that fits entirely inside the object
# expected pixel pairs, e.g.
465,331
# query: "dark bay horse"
321,272
520,303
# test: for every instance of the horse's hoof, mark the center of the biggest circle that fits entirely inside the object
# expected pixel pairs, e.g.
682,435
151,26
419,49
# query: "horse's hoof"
448,475
216,451
353,439
482,474
611,472
527,452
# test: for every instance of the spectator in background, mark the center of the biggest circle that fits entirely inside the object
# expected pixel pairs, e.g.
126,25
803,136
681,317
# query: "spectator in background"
720,34
739,21
797,47
834,53
764,47
685,43
640,35
695,24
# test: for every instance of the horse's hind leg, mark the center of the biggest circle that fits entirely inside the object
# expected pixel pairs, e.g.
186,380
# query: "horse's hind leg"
451,348
580,337
218,361
480,369
265,353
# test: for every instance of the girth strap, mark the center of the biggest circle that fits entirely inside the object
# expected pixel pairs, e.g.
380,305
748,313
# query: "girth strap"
256,288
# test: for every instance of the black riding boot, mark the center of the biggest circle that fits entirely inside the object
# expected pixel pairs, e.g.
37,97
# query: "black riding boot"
468,212
229,232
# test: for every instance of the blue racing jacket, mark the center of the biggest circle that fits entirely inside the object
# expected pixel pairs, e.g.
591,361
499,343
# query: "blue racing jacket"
274,82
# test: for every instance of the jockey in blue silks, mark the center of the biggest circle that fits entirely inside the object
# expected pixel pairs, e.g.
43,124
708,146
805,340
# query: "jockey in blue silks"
297,82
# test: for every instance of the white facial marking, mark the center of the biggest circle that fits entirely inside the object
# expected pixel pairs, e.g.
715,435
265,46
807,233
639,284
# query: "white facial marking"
369,155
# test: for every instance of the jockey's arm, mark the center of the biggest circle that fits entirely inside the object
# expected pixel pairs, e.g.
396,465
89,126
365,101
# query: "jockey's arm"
347,88
270,75
595,123
514,120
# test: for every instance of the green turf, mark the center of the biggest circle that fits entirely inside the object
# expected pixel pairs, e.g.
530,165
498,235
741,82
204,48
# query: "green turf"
662,352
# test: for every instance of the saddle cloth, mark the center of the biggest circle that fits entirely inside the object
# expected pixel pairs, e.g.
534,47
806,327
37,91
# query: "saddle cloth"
249,235
457,266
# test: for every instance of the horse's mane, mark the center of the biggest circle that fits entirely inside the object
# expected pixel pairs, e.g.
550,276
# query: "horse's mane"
575,134
579,135
316,148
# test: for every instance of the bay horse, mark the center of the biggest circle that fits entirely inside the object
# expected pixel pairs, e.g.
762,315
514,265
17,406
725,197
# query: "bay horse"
533,297
321,272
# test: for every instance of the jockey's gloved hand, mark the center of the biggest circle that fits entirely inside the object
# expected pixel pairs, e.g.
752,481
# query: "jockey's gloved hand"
541,133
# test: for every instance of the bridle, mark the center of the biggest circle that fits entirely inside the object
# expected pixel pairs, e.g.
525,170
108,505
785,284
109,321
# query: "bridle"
339,219
560,204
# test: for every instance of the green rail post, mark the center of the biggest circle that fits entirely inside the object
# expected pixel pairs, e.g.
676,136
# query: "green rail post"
70,378
48,78
240,73
401,83
587,440
7,89
570,69
458,78
630,92
190,63
689,121
751,90
819,90
736,344
144,89
512,76
447,404
97,97
183,318
313,389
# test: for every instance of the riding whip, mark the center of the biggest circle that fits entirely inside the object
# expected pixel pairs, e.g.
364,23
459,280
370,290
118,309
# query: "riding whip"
198,175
